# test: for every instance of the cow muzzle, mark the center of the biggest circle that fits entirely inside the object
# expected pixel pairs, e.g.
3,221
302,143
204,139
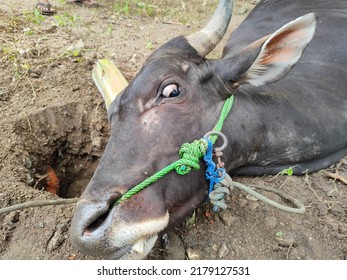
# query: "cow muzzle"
113,232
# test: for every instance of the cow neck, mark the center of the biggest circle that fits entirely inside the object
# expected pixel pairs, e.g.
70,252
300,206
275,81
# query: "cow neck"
190,154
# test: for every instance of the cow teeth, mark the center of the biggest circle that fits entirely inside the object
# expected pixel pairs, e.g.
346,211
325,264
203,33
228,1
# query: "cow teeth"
144,245
141,248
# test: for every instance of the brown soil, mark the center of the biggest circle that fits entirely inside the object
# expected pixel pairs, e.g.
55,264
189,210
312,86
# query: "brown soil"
52,116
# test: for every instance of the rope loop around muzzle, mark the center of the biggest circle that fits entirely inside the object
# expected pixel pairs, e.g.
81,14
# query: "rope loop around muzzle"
190,154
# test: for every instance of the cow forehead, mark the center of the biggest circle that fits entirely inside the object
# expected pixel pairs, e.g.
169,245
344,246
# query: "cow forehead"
151,77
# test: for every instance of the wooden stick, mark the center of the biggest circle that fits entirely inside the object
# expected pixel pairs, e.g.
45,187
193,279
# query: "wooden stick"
336,176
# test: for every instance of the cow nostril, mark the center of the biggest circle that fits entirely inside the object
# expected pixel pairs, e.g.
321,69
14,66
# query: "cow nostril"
96,224
100,219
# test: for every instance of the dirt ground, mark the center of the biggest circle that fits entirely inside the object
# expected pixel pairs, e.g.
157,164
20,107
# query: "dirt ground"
53,117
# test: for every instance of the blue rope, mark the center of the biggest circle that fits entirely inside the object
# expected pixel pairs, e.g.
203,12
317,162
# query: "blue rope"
212,172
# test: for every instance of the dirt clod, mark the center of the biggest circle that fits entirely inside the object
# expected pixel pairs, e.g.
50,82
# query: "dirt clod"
338,211
226,217
322,209
58,237
271,222
223,251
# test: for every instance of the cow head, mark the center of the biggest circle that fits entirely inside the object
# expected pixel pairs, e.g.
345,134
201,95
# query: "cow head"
175,98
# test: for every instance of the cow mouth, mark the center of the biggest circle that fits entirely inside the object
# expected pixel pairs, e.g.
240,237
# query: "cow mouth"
135,251
105,230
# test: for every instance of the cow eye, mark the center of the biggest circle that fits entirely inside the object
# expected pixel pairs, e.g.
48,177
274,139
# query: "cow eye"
170,91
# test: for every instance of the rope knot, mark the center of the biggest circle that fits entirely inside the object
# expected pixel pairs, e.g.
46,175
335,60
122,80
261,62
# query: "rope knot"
190,154
217,195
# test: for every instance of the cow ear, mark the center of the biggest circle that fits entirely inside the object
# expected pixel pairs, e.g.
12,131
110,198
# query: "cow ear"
272,57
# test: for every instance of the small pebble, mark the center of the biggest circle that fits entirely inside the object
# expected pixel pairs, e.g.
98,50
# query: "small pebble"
342,229
288,242
243,202
58,237
34,75
338,211
223,251
226,217
72,257
75,87
322,209
271,222
193,255
214,247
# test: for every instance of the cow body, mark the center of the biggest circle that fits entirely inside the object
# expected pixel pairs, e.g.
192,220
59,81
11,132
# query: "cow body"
300,120
280,118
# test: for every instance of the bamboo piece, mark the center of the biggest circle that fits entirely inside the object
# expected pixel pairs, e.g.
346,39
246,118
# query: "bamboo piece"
109,80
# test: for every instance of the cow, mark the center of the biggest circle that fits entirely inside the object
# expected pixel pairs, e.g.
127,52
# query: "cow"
286,67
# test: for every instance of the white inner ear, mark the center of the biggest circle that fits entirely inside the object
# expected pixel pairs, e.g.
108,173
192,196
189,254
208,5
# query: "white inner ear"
281,51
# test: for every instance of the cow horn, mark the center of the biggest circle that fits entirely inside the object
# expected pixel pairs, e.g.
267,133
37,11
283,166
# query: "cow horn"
205,40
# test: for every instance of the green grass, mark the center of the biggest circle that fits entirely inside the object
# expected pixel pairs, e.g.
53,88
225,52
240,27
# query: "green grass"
34,17
18,64
65,19
183,12
62,19
134,8
150,45
288,171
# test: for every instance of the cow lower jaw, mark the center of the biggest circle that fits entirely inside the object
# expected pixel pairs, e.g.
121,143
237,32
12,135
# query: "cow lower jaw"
144,235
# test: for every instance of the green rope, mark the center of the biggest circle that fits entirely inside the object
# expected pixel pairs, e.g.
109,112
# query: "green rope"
189,153
228,104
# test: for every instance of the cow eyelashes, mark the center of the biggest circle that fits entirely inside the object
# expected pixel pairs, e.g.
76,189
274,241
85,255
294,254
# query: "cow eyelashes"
170,91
